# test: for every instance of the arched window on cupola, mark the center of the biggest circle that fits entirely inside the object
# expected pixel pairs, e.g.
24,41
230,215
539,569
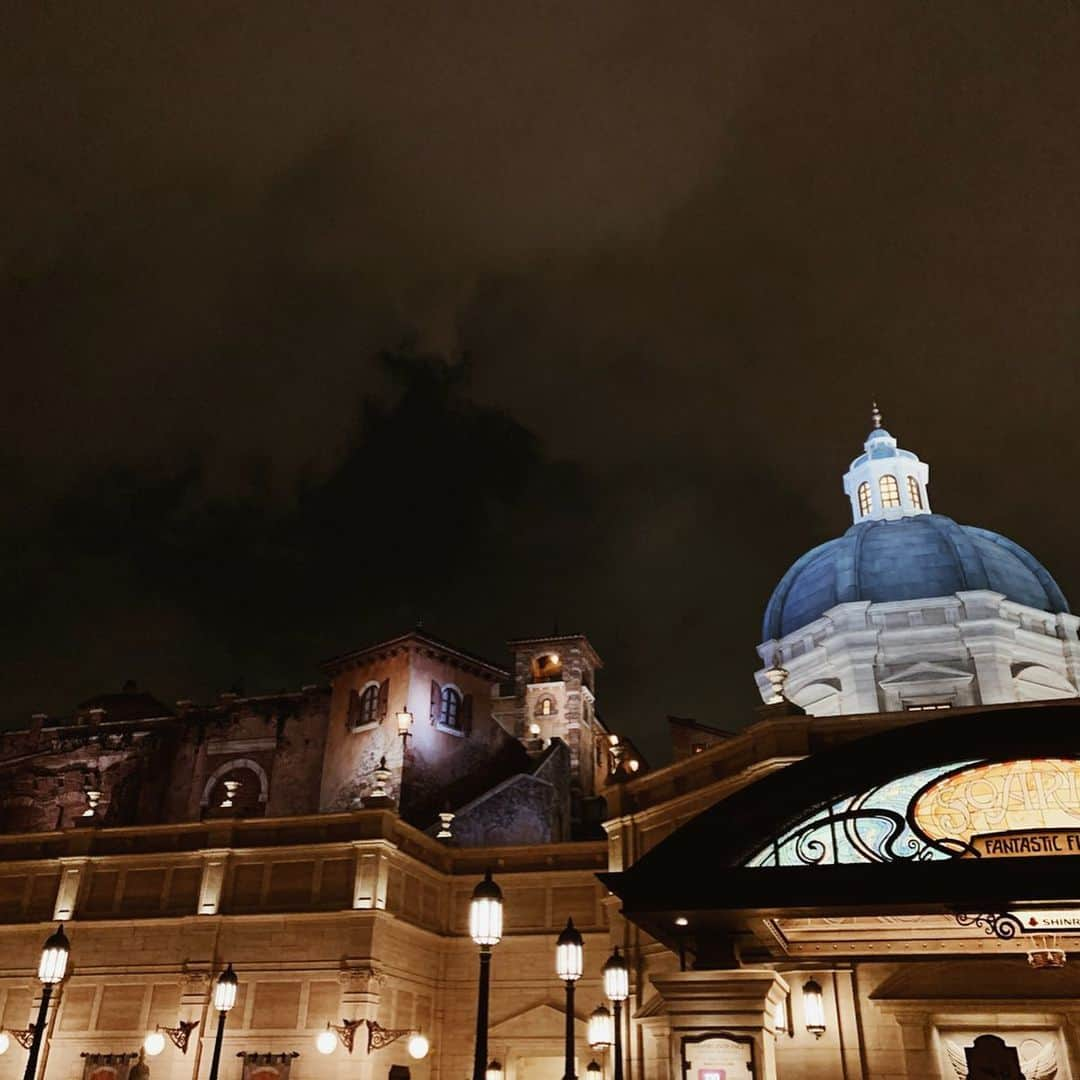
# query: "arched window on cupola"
890,491
914,492
864,499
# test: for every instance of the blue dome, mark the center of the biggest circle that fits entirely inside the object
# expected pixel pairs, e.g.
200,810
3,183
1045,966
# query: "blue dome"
911,558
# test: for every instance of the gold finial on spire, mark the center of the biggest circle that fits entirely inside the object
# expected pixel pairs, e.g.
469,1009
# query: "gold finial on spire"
875,415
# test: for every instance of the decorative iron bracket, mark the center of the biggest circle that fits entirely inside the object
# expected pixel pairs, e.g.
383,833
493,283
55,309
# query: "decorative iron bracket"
1000,924
346,1032
180,1034
23,1036
378,1036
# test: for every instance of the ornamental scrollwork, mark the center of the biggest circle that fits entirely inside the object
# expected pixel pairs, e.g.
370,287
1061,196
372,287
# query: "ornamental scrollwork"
999,924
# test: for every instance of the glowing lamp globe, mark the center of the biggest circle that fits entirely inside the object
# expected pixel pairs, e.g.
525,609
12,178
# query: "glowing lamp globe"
404,722
225,990
494,1071
418,1046
485,913
54,958
601,1028
569,953
814,1008
616,977
154,1043
326,1041
5,1042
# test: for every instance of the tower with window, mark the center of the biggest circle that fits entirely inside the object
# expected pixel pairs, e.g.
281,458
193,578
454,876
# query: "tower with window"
885,482
554,698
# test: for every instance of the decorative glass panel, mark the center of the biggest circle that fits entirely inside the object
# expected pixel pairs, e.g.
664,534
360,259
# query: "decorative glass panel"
867,828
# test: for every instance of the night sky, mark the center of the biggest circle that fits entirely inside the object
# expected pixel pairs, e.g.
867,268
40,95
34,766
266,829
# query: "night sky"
320,319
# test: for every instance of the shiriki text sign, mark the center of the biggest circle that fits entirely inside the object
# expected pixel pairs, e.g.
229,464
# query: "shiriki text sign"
1036,800
1049,920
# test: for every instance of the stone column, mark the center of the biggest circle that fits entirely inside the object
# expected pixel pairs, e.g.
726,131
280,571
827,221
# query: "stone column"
740,1003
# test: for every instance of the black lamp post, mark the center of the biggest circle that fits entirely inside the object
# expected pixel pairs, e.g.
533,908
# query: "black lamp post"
224,1000
569,964
485,927
51,970
617,988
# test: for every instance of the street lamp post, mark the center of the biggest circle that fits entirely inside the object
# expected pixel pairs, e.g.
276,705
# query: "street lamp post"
224,1000
617,988
569,964
51,971
485,927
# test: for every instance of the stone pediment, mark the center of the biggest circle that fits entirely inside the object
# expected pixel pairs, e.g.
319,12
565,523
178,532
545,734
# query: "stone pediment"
925,671
541,1020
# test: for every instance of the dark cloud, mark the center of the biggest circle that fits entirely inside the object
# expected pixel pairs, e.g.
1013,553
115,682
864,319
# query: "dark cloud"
681,248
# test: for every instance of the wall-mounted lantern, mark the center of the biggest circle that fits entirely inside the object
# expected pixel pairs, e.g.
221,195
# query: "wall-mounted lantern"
814,1008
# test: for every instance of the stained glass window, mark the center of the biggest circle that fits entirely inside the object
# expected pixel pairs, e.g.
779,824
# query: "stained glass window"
868,828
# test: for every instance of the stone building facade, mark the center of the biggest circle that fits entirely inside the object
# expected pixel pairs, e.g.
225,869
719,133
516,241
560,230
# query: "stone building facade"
517,759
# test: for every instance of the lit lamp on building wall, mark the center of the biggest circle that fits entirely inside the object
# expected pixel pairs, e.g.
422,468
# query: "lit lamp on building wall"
224,999
51,971
404,728
569,965
154,1043
326,1042
494,1071
485,928
814,1008
617,988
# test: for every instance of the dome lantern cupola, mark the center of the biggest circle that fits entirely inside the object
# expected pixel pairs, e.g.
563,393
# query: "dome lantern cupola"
884,482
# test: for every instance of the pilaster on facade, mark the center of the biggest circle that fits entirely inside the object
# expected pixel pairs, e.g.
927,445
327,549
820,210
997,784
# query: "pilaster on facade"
361,992
916,1041
72,877
370,877
214,864
992,658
